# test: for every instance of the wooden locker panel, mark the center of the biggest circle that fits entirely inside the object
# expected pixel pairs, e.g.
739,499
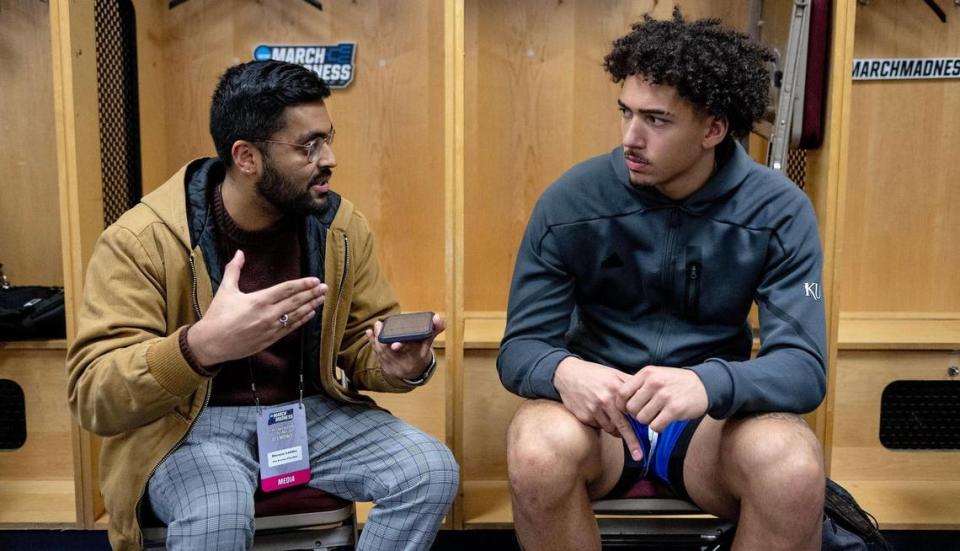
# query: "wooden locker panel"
899,241
36,480
902,488
29,202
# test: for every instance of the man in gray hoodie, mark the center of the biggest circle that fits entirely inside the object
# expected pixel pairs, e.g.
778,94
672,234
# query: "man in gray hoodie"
627,324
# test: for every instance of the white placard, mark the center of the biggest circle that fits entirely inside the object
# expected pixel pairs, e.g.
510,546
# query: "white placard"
906,68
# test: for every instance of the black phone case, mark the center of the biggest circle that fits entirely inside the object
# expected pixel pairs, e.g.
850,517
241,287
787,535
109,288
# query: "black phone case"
411,327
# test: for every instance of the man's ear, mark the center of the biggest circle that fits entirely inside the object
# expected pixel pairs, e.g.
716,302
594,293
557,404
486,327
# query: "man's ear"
716,131
246,157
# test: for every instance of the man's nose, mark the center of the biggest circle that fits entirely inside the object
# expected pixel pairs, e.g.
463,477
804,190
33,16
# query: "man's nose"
633,134
326,157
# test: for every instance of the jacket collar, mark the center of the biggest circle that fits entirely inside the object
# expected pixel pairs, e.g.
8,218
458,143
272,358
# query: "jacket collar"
182,204
188,187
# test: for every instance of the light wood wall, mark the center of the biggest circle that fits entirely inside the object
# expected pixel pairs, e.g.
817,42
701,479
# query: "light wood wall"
537,102
899,248
389,121
29,204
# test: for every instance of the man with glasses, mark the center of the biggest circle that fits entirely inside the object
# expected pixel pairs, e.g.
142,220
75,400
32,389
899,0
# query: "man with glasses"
242,283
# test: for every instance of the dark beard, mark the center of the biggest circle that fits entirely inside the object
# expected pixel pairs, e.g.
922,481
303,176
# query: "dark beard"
284,195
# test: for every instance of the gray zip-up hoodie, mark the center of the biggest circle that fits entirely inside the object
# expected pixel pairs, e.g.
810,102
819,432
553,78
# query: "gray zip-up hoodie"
626,277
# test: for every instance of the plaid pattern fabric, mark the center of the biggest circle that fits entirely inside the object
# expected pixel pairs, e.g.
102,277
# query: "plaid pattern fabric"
204,490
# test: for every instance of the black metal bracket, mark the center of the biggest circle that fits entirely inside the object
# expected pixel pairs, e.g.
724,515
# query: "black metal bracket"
315,3
937,10
932,4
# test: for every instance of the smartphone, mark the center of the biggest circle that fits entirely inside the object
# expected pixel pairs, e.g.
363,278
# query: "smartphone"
414,326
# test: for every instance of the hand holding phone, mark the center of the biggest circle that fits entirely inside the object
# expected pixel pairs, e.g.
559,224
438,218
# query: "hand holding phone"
403,344
409,327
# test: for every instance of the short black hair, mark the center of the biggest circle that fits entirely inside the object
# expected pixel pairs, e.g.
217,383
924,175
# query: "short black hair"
249,100
721,71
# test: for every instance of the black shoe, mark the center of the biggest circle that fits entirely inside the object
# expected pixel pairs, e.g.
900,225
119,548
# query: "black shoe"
843,510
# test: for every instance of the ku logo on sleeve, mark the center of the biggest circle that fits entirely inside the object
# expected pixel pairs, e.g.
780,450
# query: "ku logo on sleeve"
812,290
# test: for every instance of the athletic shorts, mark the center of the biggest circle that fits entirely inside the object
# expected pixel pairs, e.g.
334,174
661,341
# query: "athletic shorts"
663,456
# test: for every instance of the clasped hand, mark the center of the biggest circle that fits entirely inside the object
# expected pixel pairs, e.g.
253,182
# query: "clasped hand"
600,396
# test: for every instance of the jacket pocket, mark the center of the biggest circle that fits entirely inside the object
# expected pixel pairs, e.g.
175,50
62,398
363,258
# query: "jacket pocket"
182,410
693,276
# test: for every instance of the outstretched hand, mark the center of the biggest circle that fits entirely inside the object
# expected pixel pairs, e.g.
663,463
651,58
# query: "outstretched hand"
239,324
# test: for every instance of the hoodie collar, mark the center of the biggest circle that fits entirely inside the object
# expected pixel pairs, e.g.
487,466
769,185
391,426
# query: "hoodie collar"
734,167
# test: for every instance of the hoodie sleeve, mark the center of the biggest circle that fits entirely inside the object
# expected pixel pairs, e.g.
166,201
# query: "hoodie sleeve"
538,314
789,373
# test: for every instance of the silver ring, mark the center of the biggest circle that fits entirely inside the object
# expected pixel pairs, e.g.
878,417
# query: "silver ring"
284,320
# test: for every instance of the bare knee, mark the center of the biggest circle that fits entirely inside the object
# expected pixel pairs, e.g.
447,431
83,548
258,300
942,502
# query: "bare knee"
548,448
778,460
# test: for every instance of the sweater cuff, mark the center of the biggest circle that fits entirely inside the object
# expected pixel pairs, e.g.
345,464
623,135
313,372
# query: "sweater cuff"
168,366
191,359
717,380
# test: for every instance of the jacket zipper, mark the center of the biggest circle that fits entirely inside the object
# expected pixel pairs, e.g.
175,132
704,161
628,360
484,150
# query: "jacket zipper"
667,279
206,400
193,288
336,308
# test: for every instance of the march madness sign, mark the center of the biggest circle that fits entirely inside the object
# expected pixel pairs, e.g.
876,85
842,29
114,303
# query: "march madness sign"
334,63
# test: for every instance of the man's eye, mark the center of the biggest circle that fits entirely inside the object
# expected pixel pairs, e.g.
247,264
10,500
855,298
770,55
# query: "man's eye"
624,112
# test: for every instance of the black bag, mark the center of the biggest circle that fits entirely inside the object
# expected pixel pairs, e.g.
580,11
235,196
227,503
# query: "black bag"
846,526
32,312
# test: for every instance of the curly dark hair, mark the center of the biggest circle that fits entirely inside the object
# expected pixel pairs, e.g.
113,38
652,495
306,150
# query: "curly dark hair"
721,71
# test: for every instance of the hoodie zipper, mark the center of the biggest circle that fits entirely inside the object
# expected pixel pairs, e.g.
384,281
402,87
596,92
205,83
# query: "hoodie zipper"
206,400
667,270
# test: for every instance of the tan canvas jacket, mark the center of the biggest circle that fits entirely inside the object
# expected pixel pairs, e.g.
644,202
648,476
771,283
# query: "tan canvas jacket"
129,382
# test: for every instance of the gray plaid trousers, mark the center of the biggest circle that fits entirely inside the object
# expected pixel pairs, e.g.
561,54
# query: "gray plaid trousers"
204,490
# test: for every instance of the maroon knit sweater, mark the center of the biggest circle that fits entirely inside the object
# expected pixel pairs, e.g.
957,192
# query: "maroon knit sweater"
271,256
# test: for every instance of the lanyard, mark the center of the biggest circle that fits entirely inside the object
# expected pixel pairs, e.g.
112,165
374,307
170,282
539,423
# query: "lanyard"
253,384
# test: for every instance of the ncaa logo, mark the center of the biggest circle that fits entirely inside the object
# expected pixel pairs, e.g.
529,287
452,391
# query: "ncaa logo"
334,63
280,417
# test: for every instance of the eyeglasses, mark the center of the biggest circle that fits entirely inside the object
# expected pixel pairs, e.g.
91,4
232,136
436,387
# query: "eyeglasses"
312,148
